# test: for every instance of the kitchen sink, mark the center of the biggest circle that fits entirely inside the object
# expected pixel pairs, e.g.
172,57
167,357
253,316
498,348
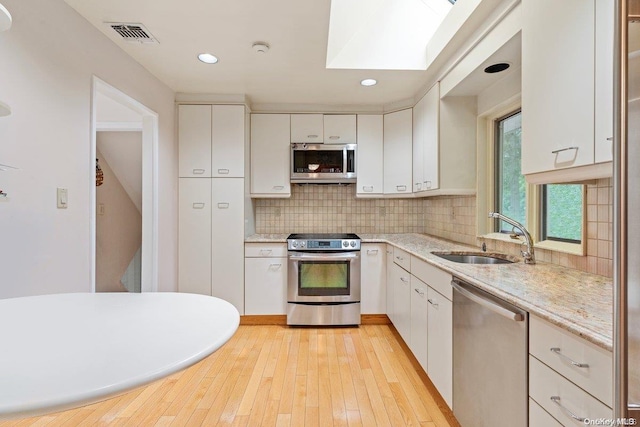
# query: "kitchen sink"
476,257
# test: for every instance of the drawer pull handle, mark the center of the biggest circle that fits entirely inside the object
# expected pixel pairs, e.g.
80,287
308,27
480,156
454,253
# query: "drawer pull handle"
334,137
275,266
223,171
265,251
430,301
610,138
372,251
419,292
556,400
556,350
223,205
404,279
427,184
399,258
198,171
401,187
278,187
198,205
560,150
367,188
312,136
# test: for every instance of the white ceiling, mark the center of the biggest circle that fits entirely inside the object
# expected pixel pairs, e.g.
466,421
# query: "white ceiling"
293,71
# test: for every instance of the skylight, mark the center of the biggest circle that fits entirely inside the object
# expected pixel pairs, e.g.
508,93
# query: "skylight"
383,34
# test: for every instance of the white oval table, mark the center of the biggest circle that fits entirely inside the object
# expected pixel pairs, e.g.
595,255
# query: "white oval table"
67,350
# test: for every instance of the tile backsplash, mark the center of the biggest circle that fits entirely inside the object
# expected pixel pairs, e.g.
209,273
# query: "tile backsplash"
332,208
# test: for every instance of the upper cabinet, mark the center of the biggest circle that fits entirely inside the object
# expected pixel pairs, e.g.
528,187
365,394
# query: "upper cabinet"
307,128
339,129
211,141
398,152
559,79
270,154
425,141
370,156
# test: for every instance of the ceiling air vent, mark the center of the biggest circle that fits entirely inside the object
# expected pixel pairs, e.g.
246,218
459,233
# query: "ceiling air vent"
135,33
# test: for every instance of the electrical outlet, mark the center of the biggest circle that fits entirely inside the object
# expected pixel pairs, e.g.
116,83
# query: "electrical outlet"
101,209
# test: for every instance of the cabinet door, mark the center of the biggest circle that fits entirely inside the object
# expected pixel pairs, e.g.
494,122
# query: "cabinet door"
557,84
425,141
390,283
397,152
194,141
227,146
419,321
194,231
373,278
440,344
307,128
227,241
265,285
270,153
402,302
604,81
370,155
339,129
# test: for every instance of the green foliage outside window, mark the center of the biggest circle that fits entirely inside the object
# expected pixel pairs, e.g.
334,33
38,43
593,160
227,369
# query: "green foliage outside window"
563,212
512,186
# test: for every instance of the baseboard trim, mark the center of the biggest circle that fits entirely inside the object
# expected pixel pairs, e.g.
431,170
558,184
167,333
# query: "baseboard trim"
281,319
446,411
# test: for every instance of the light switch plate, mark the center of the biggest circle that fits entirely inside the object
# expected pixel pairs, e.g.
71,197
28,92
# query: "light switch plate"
63,198
100,208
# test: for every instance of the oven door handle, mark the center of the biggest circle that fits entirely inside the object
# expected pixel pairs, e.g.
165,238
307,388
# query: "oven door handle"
343,256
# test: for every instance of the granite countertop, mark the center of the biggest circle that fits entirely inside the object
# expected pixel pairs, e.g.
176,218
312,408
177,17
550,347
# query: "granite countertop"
576,301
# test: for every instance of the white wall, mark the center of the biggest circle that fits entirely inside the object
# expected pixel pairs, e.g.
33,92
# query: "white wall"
47,61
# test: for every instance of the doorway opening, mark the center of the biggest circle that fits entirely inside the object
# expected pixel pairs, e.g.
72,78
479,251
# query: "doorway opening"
124,141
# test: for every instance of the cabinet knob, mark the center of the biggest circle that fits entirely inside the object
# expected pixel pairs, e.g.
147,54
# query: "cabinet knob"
198,205
198,171
223,205
401,187
223,171
367,188
372,251
312,136
427,184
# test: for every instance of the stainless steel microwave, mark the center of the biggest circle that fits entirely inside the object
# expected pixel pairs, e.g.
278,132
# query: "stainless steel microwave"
323,163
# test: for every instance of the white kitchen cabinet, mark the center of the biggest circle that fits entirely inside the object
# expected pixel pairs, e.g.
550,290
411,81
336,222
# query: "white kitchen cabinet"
398,145
194,136
270,155
390,283
538,417
227,240
559,80
426,141
265,278
419,321
440,344
227,141
604,81
402,302
307,128
373,278
370,155
194,231
339,128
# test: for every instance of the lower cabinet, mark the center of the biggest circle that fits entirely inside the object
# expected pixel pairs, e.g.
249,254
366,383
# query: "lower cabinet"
265,275
402,302
389,284
440,344
419,321
373,278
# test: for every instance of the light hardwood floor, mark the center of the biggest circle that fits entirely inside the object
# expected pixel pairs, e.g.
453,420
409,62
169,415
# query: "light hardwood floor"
278,376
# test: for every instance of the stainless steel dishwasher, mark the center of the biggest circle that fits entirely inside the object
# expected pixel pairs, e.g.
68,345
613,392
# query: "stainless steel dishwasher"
489,359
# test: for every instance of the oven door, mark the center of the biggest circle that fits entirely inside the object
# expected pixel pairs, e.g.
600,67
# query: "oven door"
320,277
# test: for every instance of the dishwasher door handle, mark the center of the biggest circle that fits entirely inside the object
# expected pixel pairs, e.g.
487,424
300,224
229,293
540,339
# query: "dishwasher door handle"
496,308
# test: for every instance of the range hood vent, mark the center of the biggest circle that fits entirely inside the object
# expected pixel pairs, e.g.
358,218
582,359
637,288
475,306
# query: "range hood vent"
132,32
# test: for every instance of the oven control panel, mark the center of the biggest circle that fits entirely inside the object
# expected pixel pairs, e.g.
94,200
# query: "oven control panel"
324,245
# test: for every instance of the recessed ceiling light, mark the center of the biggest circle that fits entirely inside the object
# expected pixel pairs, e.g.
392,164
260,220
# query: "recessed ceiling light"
368,82
207,58
496,68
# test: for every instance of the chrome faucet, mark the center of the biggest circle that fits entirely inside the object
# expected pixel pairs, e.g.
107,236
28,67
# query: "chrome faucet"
528,255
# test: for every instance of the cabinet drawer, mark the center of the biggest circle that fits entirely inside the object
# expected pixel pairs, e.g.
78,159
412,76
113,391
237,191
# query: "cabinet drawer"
402,258
432,276
561,398
596,378
538,417
265,250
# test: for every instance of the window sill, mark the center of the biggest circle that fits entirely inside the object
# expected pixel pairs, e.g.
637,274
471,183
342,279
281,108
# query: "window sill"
551,245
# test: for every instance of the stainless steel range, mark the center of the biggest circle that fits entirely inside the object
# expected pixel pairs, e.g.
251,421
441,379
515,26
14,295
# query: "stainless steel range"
324,279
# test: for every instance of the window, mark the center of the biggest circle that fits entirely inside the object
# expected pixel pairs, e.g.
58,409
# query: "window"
510,184
561,212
